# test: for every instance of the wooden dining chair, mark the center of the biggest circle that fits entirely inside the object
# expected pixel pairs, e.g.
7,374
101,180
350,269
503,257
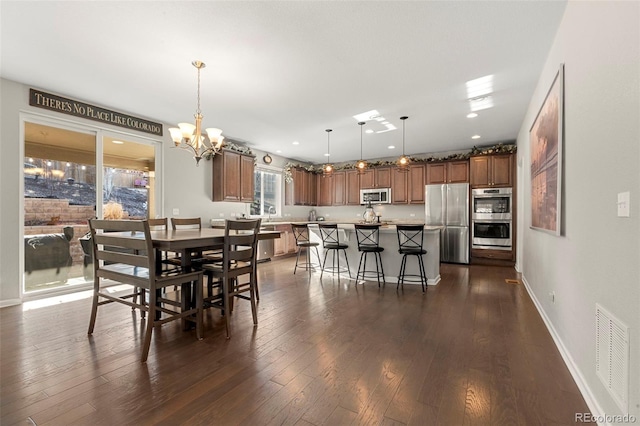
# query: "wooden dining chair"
240,252
123,254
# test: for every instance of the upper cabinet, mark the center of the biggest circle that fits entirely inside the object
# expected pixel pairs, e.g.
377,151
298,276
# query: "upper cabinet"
302,191
233,178
352,187
416,181
448,172
339,188
407,187
376,177
325,190
491,171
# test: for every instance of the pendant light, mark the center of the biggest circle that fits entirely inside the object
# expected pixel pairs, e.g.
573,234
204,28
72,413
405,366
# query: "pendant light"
189,136
327,169
403,161
361,164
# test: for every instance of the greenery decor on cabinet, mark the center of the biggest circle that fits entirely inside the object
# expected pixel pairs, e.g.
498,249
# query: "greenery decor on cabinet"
228,145
475,151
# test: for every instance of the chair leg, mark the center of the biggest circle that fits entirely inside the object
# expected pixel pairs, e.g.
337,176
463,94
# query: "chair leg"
423,274
199,310
362,258
326,252
297,258
401,274
94,306
347,260
252,292
317,256
227,308
384,280
150,324
308,264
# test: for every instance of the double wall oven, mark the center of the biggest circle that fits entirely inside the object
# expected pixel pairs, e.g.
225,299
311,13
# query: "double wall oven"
491,221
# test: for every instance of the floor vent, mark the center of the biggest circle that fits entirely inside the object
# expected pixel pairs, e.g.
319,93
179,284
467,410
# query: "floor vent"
510,281
612,356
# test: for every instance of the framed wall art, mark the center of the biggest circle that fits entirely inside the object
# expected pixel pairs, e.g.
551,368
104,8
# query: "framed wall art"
546,140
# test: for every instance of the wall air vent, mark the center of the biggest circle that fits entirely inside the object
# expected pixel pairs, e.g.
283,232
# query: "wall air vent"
612,356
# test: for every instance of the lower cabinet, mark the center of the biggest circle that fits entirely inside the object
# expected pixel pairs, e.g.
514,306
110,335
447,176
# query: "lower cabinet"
286,244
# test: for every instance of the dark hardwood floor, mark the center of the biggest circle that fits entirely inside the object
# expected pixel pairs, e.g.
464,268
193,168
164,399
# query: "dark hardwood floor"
472,350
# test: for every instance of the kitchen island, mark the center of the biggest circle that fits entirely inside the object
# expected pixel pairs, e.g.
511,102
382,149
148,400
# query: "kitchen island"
391,259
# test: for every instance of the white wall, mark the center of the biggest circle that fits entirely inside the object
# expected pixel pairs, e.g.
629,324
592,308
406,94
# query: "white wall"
597,259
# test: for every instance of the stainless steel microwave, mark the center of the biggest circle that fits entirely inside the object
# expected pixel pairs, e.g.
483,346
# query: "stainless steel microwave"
375,196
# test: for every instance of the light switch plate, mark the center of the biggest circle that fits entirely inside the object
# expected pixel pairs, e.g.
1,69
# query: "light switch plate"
624,199
176,212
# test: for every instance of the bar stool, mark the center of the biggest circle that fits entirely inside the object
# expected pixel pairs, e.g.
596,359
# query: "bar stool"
301,234
331,242
368,236
410,239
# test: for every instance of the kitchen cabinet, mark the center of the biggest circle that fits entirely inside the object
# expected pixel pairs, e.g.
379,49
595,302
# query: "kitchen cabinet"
399,179
325,190
376,177
407,187
339,188
415,184
286,244
233,176
302,191
352,186
448,172
491,171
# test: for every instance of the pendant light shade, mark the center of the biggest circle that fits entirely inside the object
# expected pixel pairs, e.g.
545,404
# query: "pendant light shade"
327,169
361,164
403,162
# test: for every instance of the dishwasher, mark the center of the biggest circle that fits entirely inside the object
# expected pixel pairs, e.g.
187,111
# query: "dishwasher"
265,247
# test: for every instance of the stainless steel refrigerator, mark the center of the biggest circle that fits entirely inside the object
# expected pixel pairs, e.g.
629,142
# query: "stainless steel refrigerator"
448,205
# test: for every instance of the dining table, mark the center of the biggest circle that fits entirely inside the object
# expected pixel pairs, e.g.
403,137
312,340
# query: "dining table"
189,241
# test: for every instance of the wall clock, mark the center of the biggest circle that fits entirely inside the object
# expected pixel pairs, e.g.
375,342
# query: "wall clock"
267,159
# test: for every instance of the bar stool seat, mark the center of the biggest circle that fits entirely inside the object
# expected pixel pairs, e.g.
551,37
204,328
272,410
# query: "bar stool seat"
301,235
368,242
410,243
331,242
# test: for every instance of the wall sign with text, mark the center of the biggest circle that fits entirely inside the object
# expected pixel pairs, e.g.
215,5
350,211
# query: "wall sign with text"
80,109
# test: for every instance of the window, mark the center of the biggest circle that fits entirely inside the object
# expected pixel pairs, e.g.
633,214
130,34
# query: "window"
268,193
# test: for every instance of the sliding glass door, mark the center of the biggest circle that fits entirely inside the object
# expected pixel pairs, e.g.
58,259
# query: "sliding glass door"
70,176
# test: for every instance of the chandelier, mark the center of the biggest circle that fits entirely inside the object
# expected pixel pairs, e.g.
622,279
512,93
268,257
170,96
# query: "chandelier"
189,136
327,169
361,164
403,161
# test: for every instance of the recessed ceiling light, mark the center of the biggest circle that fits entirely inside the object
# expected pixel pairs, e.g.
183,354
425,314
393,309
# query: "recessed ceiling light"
118,142
278,151
391,147
368,131
472,115
296,143
326,154
475,137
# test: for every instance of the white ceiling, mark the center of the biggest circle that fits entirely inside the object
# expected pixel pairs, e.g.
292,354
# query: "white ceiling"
279,72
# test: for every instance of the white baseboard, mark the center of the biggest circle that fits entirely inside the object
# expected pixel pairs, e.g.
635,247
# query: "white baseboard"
591,401
9,302
433,281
